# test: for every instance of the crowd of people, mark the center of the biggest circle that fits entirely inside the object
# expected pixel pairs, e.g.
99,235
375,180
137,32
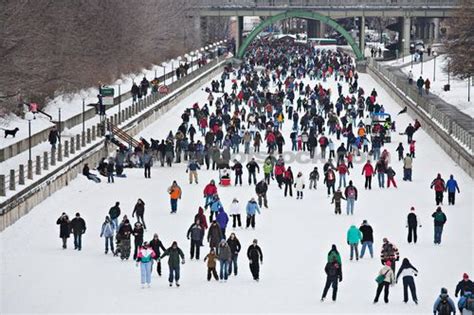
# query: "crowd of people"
269,90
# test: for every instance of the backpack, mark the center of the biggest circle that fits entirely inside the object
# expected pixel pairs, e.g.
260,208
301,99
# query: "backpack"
469,305
351,192
444,308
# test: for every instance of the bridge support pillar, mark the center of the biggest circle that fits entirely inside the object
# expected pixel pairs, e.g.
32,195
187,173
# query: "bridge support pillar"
362,34
239,31
404,36
315,29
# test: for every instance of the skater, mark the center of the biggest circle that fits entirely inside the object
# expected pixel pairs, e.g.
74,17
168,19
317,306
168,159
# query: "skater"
201,217
368,170
176,257
222,219
78,227
138,235
391,177
86,172
465,285
252,208
192,168
107,231
255,256
114,213
353,238
389,253
147,160
157,245
367,239
234,245
333,276
224,255
351,196
343,171
209,191
400,150
384,279
288,180
237,168
261,189
175,193
439,188
408,272
215,206
234,211
299,185
139,210
336,199
466,303
439,221
196,235
452,187
123,235
444,305
253,167
412,225
64,228
330,180
145,259
211,265
313,178
407,167
214,235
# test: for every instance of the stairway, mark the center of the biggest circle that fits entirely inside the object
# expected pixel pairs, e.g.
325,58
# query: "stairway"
122,135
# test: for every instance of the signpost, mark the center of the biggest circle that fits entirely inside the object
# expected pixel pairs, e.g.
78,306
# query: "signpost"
107,95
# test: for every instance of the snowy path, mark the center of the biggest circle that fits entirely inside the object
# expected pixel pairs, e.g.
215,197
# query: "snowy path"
295,236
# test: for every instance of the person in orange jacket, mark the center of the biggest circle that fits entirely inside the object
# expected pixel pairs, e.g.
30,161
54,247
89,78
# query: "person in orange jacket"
175,193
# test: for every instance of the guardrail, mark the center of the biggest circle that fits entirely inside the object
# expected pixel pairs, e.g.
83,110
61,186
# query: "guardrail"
44,164
223,4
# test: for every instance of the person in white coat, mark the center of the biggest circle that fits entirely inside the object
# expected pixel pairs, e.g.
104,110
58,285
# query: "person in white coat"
299,185
234,211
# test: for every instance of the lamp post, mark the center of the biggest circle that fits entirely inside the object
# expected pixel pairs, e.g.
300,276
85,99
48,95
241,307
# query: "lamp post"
29,116
164,72
119,83
59,122
422,53
449,63
434,65
403,50
172,70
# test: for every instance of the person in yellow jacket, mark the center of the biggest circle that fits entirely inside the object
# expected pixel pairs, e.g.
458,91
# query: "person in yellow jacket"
175,193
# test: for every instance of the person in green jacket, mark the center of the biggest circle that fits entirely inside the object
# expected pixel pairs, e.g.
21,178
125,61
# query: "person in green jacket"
267,171
353,238
176,256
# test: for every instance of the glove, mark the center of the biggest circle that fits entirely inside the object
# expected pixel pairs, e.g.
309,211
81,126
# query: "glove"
188,237
420,225
182,262
406,226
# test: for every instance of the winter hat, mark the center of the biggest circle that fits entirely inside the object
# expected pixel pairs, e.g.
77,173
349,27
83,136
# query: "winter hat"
412,208
444,291
388,263
465,276
364,222
385,240
77,214
117,203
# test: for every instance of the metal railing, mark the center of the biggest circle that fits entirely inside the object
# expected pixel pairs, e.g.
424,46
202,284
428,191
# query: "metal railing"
449,119
223,4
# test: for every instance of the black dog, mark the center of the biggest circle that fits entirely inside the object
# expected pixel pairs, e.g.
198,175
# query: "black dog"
10,132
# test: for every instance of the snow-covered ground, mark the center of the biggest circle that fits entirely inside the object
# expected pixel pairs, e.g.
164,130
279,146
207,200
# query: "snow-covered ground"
37,276
457,96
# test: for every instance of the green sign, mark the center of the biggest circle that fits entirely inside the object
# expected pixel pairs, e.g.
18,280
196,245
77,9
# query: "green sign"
107,91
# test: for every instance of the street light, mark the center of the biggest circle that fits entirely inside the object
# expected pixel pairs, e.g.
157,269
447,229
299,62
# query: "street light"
119,83
172,70
421,56
83,96
434,65
155,67
403,50
164,72
29,116
59,119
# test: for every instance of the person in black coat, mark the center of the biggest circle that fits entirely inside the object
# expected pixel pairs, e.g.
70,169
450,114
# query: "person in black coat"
78,227
138,234
237,168
195,234
409,131
53,137
465,285
255,256
412,225
367,238
234,245
261,190
333,276
157,245
253,167
140,211
64,228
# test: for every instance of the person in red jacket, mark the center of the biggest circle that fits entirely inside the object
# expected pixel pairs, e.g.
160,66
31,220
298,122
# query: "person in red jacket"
343,170
209,191
368,170
288,179
439,188
279,171
202,218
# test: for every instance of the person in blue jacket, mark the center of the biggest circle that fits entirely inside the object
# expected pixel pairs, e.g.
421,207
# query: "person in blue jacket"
463,305
444,304
222,218
452,187
107,231
215,204
252,209
353,238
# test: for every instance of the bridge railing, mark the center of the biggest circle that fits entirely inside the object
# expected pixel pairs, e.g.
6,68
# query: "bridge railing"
323,3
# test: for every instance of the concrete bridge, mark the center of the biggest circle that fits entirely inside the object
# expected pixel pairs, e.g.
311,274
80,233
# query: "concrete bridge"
326,12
